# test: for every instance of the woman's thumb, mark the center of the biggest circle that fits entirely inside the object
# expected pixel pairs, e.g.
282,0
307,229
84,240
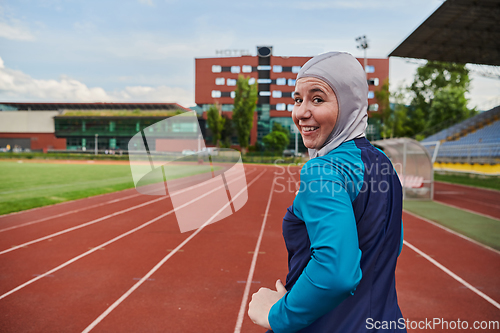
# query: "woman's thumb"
280,287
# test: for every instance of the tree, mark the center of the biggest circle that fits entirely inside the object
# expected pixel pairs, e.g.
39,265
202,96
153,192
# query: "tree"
276,141
449,106
215,123
393,117
385,114
245,100
227,132
448,82
277,127
400,124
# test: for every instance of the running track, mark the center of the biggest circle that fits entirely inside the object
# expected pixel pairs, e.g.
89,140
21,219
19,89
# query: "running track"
483,201
118,263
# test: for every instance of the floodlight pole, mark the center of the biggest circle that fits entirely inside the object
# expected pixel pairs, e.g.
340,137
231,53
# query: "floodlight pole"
296,143
295,130
363,44
96,136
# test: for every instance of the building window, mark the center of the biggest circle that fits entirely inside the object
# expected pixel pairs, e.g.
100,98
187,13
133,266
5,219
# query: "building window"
373,107
216,94
246,69
277,69
291,82
216,69
371,94
281,106
277,94
289,107
233,94
281,82
220,81
264,68
264,93
226,107
373,82
295,69
235,69
231,82
251,81
264,81
370,69
371,129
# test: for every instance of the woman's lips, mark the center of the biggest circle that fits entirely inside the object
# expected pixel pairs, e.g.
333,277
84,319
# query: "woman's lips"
308,130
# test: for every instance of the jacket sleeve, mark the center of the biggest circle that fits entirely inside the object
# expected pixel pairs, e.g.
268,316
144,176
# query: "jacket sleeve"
333,272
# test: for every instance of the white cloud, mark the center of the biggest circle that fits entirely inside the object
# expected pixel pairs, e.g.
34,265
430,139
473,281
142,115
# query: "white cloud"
484,92
147,2
18,86
15,30
351,4
154,94
85,27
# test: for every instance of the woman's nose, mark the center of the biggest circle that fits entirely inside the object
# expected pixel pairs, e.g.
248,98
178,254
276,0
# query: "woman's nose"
303,111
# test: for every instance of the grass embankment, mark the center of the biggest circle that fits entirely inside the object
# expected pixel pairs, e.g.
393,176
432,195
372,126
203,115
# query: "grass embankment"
29,185
61,156
491,182
248,158
477,227
122,113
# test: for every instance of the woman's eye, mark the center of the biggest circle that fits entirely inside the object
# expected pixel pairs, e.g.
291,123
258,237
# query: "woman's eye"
298,100
317,100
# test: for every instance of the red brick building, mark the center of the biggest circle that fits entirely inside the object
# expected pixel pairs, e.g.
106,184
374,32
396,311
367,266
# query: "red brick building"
215,82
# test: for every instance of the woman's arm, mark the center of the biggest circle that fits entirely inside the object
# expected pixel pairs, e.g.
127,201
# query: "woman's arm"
334,271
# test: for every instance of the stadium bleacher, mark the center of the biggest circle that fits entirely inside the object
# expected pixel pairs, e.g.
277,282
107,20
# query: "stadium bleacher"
475,140
465,126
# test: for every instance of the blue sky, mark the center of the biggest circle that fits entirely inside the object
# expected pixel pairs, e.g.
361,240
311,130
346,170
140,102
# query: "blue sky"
144,50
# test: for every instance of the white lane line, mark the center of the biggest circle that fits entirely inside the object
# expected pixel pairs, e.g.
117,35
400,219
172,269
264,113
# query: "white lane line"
179,181
472,211
241,314
469,186
70,212
37,188
158,265
106,244
21,212
16,247
83,255
451,231
453,275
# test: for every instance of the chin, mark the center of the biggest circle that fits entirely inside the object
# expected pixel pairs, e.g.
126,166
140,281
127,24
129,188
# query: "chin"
309,145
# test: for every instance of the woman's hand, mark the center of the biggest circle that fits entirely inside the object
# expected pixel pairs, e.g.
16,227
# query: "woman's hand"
262,302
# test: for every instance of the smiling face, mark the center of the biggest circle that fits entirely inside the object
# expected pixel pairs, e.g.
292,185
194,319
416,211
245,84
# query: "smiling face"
315,111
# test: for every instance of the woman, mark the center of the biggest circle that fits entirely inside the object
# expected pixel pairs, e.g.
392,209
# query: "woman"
343,232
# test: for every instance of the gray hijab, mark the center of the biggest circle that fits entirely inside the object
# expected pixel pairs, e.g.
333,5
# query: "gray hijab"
345,75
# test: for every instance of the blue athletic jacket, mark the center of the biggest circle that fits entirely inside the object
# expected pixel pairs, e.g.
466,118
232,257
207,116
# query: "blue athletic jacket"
343,234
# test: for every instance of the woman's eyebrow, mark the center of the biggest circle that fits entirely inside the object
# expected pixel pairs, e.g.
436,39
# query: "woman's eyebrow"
313,90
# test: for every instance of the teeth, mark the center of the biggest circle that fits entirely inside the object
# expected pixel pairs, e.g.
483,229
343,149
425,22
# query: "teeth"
308,128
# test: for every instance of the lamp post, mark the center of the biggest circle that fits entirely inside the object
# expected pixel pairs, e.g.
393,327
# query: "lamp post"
96,136
363,44
295,130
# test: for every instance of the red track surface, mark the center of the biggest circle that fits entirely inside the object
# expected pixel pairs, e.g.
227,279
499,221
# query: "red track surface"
467,197
201,287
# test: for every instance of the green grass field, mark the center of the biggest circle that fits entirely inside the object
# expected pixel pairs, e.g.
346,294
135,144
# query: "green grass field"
492,182
29,185
477,227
